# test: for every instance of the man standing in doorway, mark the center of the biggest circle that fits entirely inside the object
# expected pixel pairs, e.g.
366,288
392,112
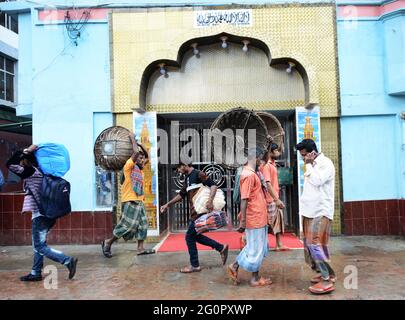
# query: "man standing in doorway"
194,178
254,220
316,209
274,204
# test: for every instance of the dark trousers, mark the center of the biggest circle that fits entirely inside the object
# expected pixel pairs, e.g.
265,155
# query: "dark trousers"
192,238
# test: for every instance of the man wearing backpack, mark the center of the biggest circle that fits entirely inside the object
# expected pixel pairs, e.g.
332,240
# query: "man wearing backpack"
24,164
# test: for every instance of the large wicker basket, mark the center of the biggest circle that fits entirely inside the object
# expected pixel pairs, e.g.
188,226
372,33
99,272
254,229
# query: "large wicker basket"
113,148
274,128
238,118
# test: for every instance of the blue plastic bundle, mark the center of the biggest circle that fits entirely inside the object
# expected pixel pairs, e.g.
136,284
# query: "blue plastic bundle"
53,159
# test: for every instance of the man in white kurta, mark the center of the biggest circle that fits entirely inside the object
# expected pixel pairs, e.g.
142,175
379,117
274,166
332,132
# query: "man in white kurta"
316,209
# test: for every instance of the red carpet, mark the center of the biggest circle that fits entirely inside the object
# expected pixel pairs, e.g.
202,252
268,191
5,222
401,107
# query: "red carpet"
176,242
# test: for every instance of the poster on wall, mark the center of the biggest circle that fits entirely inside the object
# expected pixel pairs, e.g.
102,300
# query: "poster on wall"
308,124
145,129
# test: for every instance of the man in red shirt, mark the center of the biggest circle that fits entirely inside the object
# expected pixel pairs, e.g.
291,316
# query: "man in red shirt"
254,219
274,204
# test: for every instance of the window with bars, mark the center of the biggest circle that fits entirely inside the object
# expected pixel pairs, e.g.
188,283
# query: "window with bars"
8,21
6,79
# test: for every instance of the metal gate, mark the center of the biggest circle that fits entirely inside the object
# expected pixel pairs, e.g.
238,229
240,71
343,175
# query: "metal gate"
170,182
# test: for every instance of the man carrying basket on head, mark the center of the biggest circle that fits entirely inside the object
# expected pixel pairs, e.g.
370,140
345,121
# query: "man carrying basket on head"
133,222
194,178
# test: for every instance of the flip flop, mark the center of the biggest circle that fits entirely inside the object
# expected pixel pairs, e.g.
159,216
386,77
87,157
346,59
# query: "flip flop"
319,289
233,275
106,253
224,254
262,282
317,279
147,251
282,249
190,269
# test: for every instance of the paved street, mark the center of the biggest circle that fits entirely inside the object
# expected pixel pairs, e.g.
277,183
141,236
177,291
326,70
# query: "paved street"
380,262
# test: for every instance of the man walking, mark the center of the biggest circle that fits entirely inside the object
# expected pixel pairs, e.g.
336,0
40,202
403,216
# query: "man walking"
316,209
24,165
253,220
133,222
194,178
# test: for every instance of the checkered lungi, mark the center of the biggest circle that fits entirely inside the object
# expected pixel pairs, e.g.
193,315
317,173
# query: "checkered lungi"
316,238
276,218
133,222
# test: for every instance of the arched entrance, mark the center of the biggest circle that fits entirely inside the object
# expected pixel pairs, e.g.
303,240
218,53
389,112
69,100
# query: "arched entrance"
213,80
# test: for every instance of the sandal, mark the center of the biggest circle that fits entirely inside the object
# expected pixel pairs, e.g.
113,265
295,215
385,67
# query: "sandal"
146,251
190,269
282,249
319,288
318,278
224,254
262,282
106,253
233,274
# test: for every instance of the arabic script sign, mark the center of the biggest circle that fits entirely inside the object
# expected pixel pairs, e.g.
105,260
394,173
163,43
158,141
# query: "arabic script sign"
210,18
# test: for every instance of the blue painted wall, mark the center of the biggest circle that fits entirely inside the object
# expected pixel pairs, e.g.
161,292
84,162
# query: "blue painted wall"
371,129
64,81
24,75
69,89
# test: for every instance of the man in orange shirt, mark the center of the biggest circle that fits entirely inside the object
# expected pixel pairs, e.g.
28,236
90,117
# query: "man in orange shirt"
133,222
253,219
269,172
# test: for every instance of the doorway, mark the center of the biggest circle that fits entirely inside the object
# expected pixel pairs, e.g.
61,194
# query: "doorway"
177,218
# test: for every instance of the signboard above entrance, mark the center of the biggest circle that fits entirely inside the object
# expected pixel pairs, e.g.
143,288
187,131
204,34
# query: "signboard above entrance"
210,18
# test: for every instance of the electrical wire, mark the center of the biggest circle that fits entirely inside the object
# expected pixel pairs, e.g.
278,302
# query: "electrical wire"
74,28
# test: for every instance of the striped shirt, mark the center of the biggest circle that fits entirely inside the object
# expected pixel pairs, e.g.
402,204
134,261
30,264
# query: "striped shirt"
32,184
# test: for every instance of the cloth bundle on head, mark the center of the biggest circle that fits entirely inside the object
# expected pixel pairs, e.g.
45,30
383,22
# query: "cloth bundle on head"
137,181
53,159
211,221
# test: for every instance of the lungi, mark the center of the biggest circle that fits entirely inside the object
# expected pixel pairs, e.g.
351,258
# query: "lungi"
276,218
252,255
133,222
316,238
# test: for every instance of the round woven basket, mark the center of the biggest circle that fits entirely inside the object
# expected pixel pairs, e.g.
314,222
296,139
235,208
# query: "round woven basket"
226,125
274,128
113,148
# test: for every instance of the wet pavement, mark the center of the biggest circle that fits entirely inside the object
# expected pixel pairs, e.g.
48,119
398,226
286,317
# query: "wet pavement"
378,261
